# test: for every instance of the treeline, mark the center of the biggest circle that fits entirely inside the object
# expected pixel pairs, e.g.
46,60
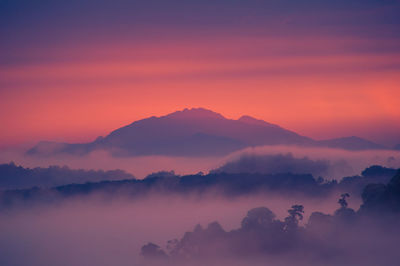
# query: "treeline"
218,183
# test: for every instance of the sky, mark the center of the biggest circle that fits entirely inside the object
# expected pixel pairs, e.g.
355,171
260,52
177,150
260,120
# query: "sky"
74,70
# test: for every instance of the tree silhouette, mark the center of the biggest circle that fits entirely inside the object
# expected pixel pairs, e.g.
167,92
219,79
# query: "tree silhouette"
295,215
258,217
153,251
342,201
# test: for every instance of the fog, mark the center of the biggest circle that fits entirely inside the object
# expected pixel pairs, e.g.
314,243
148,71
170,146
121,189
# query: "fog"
367,243
139,166
341,162
95,231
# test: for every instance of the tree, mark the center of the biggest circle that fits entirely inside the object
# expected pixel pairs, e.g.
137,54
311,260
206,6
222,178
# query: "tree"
258,217
295,215
152,251
344,214
342,201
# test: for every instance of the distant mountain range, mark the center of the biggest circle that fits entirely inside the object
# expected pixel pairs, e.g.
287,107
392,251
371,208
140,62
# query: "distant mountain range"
195,132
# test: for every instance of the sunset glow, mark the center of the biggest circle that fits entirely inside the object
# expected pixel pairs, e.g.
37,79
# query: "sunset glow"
187,133
321,73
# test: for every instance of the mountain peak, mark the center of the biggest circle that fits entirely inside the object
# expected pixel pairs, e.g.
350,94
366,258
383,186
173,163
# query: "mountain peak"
196,113
195,132
254,121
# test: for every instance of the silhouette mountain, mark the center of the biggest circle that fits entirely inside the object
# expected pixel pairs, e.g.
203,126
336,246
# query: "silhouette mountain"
350,143
193,132
18,177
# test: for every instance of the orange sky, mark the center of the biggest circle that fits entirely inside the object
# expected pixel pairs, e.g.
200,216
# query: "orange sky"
91,90
73,70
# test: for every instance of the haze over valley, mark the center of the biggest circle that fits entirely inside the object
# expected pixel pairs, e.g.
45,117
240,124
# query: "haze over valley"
192,133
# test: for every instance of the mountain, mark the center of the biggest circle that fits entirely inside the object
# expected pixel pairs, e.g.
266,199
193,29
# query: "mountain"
350,143
193,132
397,147
18,177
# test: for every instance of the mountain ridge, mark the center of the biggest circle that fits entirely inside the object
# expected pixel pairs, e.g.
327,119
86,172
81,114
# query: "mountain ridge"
195,132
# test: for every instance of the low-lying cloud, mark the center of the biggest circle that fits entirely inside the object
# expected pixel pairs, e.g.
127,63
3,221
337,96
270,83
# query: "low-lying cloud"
326,162
90,231
345,237
340,162
277,163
